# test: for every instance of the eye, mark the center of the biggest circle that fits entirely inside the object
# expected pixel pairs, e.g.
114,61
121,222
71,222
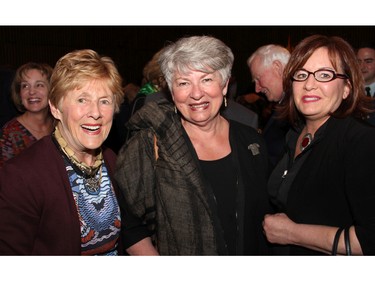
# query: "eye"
182,84
325,75
106,101
40,85
81,100
24,86
300,75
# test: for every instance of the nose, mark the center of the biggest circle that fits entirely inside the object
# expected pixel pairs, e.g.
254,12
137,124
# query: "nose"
196,92
94,110
32,89
363,65
310,81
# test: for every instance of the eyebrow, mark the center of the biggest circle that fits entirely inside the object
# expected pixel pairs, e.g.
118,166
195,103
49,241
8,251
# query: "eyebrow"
37,81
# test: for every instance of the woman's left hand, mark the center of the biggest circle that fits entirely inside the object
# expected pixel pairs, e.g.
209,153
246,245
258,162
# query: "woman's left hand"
277,228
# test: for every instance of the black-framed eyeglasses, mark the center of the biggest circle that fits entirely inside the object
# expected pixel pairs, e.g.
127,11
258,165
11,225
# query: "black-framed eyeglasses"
321,75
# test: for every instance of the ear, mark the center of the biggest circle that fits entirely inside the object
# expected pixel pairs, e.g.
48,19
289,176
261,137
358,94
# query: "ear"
347,89
55,111
225,88
278,67
172,95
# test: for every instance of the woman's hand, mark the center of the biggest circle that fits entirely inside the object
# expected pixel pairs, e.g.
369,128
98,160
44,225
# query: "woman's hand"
278,228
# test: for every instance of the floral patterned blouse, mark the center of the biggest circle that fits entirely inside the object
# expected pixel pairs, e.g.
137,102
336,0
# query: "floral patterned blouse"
14,138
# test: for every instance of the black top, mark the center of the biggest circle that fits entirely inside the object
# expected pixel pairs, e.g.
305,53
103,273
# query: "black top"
274,135
289,167
334,185
221,175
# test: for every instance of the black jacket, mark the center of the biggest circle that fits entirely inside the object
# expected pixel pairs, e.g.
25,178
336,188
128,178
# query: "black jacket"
335,184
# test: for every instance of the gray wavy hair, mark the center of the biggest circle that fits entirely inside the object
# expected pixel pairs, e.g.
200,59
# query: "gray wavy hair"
199,53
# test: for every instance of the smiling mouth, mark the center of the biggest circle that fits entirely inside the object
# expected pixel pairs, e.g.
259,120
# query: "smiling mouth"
310,98
34,100
199,106
90,128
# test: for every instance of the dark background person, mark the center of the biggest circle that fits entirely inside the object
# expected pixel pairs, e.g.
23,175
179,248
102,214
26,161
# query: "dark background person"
153,82
366,58
30,89
7,108
58,196
258,103
119,132
197,179
325,181
153,87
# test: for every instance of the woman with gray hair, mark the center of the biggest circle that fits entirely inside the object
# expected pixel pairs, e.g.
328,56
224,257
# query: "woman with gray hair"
197,179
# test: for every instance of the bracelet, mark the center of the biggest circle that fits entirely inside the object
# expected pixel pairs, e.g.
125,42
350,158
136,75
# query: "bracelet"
336,241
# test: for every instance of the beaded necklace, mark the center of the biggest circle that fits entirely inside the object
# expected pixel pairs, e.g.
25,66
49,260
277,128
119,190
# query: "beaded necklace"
91,181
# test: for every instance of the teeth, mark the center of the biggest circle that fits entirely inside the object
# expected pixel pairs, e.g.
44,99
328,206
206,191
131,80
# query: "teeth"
199,105
311,99
90,128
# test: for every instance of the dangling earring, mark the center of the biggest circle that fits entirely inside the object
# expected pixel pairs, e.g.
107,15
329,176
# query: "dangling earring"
175,109
225,101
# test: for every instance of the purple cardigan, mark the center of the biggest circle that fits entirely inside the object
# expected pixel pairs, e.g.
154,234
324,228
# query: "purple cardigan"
38,215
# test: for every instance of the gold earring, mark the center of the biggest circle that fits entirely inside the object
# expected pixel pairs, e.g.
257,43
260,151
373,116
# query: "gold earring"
225,101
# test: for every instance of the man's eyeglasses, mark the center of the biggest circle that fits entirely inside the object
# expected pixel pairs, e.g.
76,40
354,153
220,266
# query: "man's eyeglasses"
321,75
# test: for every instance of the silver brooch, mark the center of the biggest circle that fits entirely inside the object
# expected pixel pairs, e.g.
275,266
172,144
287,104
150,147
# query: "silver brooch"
254,147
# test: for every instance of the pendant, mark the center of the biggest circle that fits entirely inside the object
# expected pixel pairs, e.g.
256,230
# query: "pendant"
306,140
92,184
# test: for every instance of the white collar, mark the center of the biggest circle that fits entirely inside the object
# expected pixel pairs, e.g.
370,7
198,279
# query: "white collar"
372,87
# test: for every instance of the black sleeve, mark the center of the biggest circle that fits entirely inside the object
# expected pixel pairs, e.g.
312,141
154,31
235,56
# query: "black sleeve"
133,229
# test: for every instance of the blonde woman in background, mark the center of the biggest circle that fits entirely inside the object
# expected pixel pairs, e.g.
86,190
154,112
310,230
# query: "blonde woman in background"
30,89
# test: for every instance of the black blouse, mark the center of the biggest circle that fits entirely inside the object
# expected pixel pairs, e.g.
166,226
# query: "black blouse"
221,175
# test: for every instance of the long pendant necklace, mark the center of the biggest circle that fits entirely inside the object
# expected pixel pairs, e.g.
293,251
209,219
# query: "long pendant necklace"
306,140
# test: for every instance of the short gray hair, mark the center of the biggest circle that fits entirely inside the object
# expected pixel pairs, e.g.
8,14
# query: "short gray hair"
201,53
269,54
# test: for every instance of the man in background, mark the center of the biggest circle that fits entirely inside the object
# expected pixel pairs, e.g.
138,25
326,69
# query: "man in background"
266,66
366,58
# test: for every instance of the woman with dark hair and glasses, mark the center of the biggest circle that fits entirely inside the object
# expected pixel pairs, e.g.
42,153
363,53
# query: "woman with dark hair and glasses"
324,186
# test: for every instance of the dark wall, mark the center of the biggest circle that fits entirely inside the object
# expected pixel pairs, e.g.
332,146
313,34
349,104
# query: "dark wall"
132,46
